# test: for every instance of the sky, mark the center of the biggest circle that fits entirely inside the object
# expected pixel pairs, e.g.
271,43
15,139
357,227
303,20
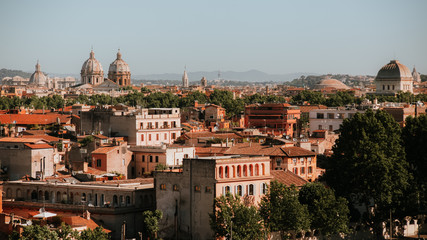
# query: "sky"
276,37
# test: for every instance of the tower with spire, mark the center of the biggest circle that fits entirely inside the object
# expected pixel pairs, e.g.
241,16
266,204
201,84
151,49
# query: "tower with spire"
416,75
185,78
204,82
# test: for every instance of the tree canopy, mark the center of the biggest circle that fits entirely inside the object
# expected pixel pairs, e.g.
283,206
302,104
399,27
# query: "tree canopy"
368,164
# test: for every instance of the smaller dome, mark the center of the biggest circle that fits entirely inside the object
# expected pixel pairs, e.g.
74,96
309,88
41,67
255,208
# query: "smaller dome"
38,77
393,70
119,65
92,66
331,83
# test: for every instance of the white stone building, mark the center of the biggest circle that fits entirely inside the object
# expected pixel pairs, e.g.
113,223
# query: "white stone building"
329,119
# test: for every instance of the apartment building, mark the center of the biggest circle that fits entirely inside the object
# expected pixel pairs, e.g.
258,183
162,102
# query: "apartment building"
330,119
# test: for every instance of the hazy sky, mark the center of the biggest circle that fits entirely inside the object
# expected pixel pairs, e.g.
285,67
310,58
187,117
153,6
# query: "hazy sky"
355,37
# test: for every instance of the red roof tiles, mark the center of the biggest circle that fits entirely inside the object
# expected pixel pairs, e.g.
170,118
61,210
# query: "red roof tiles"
288,178
40,119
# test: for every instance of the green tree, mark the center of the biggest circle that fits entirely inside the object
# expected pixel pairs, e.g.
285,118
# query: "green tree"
161,167
85,141
34,232
93,234
368,165
189,100
282,210
414,136
151,223
328,214
233,218
65,232
310,96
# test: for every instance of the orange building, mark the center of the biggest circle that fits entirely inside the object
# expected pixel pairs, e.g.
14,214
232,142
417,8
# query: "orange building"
275,118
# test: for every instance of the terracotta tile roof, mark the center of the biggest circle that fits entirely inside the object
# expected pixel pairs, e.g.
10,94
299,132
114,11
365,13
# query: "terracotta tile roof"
100,136
77,221
267,150
104,150
47,138
38,146
308,108
36,132
95,171
20,139
194,135
40,119
211,151
288,178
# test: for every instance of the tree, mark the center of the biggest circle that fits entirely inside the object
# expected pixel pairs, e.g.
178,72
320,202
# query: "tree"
65,232
310,96
282,210
33,232
233,218
151,223
414,136
368,165
328,214
93,234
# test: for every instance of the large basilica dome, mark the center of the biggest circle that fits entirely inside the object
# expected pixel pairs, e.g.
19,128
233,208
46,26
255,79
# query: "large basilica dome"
119,71
38,78
92,71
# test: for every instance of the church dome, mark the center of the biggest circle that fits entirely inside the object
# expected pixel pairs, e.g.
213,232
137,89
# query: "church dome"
92,66
38,77
119,65
331,83
394,71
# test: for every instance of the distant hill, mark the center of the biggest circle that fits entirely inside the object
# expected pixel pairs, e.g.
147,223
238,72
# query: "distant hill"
12,73
247,76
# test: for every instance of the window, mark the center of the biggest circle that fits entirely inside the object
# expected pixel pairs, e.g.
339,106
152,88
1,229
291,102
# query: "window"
263,188
294,160
350,115
142,137
310,170
227,189
118,151
331,115
197,188
133,158
185,155
175,187
151,158
157,137
295,171
330,128
166,136
309,160
301,160
251,190
278,161
141,125
319,115
388,87
98,162
173,135
302,170
157,158
208,189
143,170
320,127
239,191
149,137
127,200
341,115
393,87
143,158
162,186
383,87
123,161
157,125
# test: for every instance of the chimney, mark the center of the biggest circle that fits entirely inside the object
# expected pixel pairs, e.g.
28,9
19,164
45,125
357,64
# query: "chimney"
86,215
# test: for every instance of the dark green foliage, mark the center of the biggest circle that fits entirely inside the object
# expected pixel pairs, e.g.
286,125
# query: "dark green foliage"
85,141
95,234
282,211
414,137
328,214
233,217
189,100
368,164
65,232
35,232
151,223
309,96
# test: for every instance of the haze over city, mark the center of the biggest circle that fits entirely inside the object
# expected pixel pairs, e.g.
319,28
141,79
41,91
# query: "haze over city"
277,37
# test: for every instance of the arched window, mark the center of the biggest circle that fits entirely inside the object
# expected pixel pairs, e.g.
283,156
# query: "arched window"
9,193
46,195
251,190
227,172
122,202
115,201
83,197
251,170
256,170
227,189
33,195
143,158
127,201
245,170
40,195
239,171
220,173
58,197
234,171
18,193
239,191
263,188
262,169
